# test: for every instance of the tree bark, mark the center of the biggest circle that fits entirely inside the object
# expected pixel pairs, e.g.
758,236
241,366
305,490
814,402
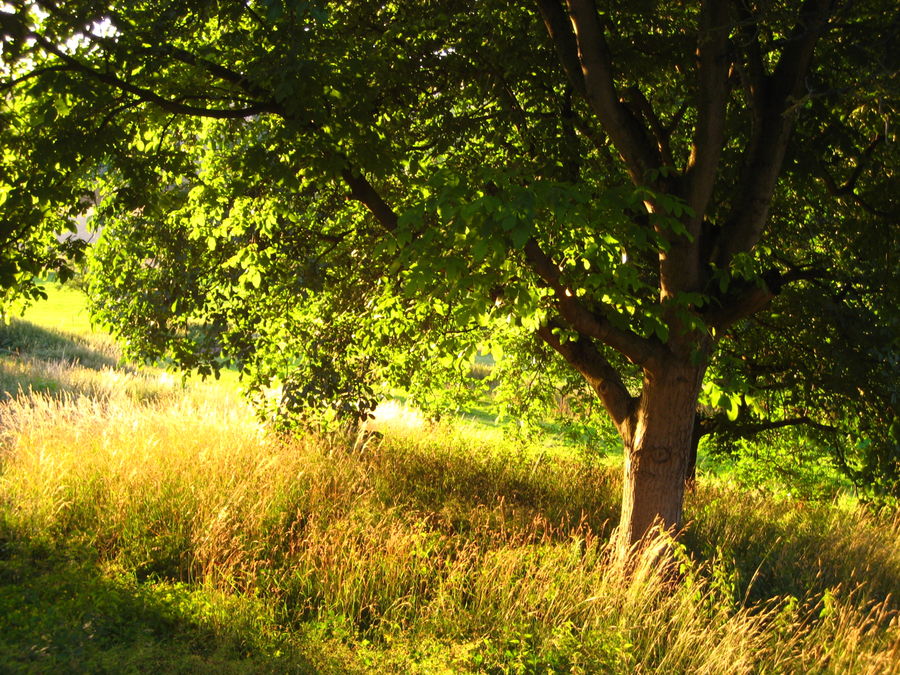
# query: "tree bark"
658,445
690,476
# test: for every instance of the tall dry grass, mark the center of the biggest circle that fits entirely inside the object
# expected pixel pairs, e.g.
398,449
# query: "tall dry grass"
427,550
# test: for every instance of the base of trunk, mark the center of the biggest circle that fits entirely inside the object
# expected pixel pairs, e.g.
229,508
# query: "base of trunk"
654,493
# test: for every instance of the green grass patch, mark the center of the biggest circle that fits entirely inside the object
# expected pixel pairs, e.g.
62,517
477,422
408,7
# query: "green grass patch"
61,612
65,309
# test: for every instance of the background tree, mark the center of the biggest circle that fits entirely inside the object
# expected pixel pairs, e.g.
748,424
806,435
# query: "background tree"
821,365
379,182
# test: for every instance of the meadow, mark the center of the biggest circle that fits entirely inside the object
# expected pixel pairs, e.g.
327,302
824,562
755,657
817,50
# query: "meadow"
152,525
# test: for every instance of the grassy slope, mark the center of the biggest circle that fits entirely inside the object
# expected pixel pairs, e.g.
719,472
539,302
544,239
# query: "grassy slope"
63,310
148,527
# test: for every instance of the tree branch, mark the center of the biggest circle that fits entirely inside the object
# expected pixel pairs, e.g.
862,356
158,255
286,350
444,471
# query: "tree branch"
582,355
145,95
848,189
639,350
861,163
628,135
360,188
709,134
560,30
712,425
569,140
754,74
223,73
752,296
37,72
681,267
363,191
232,77
765,152
641,105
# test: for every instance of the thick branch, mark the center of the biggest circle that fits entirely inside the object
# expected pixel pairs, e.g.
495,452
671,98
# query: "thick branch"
765,152
750,297
639,350
362,191
560,31
709,135
642,107
596,370
217,70
626,132
753,74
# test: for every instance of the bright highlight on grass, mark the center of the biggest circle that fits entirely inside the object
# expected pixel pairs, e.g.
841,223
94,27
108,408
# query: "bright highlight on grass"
394,413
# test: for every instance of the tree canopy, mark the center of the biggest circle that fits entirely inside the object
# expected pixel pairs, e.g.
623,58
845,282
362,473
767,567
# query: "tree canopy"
340,195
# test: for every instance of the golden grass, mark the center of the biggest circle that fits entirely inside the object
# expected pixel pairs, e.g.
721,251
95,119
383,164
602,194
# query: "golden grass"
436,551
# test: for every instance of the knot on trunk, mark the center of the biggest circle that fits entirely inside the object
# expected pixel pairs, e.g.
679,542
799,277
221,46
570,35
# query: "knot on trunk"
660,454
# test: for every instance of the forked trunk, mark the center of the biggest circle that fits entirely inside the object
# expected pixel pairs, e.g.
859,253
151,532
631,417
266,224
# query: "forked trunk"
657,451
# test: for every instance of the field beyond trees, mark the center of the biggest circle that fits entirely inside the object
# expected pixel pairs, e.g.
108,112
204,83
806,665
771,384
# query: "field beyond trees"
146,525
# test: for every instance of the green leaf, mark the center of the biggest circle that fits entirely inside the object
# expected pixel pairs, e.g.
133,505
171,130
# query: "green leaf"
520,236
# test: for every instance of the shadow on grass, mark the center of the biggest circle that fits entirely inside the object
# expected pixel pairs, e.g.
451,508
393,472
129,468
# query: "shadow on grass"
60,614
44,361
771,547
468,487
23,338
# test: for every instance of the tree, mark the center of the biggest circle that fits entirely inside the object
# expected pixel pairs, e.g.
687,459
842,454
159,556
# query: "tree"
375,183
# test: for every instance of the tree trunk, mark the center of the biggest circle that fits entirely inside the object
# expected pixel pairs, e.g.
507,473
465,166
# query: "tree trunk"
657,451
690,477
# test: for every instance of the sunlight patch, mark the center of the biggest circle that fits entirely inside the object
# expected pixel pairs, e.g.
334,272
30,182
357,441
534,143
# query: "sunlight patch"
394,413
